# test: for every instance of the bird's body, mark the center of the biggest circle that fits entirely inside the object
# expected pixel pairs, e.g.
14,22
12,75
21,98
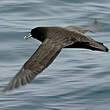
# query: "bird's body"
53,40
68,39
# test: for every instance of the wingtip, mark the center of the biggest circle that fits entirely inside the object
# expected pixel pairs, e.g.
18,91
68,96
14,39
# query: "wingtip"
95,27
102,47
106,50
6,89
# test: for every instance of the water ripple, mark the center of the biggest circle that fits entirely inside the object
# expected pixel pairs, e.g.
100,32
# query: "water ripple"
78,79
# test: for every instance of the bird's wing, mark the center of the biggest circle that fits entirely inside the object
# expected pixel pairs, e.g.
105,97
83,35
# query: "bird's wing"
93,28
77,28
42,58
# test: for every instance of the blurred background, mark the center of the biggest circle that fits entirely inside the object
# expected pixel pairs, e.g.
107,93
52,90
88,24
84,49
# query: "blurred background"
78,79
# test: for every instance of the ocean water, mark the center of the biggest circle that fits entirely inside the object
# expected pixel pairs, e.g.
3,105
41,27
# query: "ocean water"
78,79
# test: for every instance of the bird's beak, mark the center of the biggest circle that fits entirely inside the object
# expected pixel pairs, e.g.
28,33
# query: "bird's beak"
27,37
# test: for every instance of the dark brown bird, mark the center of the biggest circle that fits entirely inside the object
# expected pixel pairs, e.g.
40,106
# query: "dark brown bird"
53,40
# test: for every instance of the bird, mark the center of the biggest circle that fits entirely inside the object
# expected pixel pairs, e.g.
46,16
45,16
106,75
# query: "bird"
53,40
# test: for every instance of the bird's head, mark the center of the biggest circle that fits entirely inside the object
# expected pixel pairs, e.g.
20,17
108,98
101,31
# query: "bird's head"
38,33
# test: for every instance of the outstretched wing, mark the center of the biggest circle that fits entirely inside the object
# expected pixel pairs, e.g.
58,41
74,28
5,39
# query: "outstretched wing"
94,28
77,29
42,58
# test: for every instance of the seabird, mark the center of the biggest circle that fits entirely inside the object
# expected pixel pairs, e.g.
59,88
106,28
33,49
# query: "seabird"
53,40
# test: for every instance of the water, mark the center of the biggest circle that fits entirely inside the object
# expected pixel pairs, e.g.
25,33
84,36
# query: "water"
78,79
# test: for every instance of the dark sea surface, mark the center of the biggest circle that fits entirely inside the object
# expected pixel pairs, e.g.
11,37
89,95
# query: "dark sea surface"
78,79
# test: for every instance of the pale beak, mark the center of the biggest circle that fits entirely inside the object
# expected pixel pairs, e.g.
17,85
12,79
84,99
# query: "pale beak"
27,37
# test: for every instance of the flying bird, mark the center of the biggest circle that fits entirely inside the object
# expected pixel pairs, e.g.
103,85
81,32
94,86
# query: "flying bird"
53,40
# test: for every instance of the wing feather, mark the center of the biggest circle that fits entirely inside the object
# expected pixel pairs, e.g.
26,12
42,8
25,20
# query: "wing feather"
42,58
93,28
